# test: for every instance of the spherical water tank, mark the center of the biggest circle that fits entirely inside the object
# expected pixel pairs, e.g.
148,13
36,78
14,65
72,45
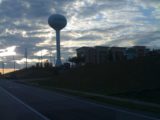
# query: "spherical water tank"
57,21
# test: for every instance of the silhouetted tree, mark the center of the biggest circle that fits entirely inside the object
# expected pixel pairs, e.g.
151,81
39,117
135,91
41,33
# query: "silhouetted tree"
37,65
47,64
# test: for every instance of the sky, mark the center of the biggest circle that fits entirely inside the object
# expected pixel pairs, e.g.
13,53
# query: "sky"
24,24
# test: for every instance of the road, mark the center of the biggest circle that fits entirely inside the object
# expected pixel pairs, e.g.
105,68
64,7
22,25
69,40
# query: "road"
22,102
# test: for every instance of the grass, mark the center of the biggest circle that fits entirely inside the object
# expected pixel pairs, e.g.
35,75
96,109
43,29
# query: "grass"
148,95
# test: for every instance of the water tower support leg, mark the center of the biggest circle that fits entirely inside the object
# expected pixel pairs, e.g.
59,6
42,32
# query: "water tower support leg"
58,61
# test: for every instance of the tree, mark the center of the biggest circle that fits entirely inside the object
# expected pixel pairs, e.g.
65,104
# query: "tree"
47,64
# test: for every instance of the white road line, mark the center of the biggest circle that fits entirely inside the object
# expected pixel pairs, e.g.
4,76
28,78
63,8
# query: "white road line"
27,106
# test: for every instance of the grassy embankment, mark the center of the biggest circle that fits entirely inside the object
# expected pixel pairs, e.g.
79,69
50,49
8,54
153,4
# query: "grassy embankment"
108,79
135,80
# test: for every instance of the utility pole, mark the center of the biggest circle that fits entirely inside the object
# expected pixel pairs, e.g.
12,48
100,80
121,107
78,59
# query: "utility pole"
14,64
54,60
50,59
3,67
26,56
41,59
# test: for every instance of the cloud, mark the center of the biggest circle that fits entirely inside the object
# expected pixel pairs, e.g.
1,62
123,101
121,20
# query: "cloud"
90,23
42,53
23,61
10,51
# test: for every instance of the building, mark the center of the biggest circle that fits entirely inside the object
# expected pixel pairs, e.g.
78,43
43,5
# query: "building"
130,54
141,51
117,54
88,53
136,52
101,54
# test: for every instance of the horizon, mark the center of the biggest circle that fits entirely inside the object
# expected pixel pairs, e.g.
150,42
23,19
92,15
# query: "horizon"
7,70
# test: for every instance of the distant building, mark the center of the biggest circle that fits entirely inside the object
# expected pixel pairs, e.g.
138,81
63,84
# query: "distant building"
88,53
117,53
101,54
141,51
130,54
154,52
136,52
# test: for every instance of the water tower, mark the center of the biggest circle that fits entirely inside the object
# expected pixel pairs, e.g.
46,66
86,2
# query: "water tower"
57,22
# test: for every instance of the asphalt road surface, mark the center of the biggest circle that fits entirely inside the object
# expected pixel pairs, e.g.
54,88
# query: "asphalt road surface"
22,102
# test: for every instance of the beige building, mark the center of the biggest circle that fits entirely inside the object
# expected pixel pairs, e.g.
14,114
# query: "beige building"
94,55
136,52
101,54
117,53
89,53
